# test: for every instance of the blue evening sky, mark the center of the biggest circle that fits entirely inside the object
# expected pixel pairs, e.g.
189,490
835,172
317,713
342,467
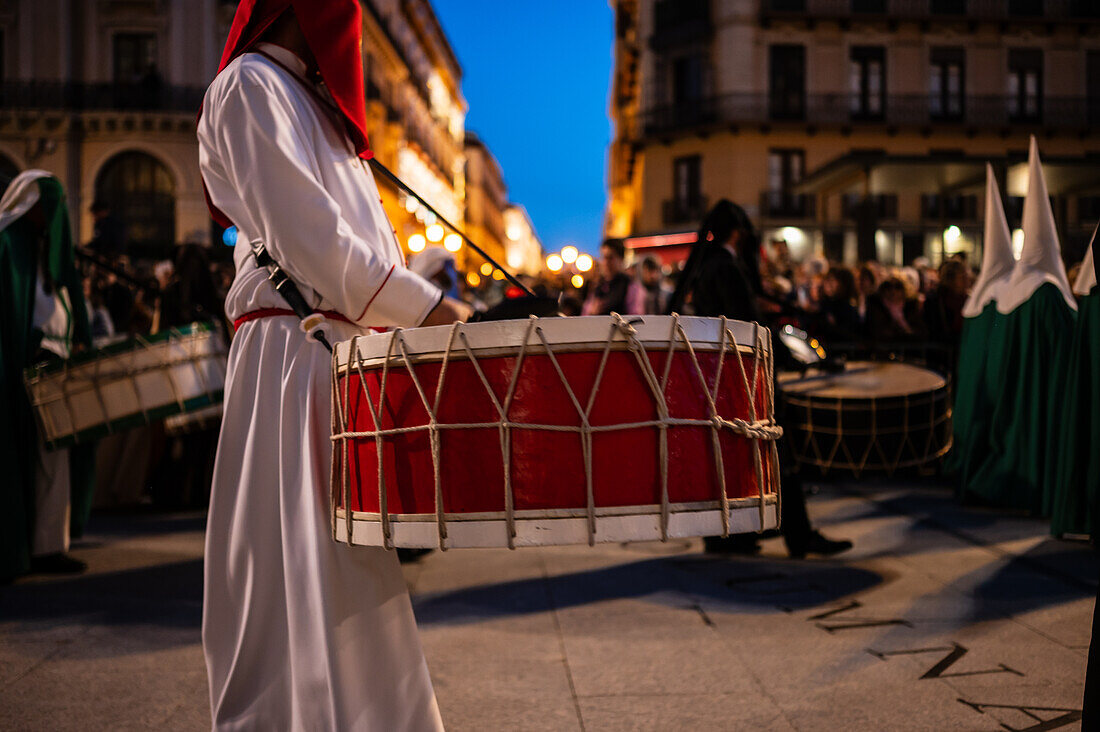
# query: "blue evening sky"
536,76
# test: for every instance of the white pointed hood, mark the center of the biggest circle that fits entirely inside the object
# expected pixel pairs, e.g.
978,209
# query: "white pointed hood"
1086,278
1041,258
997,259
20,196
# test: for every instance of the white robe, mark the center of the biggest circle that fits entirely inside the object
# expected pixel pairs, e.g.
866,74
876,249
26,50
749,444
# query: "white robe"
299,632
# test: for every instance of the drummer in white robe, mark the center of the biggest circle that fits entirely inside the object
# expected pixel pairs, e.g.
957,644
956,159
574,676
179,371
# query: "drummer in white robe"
298,631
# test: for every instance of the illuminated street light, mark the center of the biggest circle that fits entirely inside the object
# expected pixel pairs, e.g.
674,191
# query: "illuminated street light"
951,234
486,269
577,281
452,242
473,279
417,242
411,204
554,263
584,263
498,275
569,254
435,233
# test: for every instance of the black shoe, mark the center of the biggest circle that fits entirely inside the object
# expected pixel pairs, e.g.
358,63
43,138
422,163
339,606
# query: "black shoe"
736,544
57,564
405,556
815,543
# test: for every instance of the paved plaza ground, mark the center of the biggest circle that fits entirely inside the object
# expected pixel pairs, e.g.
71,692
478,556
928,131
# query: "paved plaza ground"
940,618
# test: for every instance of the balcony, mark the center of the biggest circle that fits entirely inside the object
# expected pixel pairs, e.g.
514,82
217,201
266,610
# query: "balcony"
681,22
684,212
783,205
76,96
922,10
994,111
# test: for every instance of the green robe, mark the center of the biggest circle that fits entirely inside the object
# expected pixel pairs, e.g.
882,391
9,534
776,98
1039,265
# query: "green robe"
1075,486
1027,363
977,388
19,344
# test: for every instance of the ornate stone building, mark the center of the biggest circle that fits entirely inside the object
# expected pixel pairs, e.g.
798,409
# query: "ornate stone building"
856,129
109,106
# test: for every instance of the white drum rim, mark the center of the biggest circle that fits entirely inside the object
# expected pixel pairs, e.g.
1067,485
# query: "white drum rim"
63,385
744,516
563,334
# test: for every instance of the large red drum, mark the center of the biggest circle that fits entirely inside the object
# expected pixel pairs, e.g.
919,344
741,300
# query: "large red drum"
554,431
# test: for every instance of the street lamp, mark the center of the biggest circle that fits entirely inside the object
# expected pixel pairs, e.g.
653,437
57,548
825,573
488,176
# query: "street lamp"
569,254
452,242
584,263
417,242
554,263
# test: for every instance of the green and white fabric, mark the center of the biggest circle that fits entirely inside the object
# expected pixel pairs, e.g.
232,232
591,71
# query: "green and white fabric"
1076,485
1030,354
978,376
29,247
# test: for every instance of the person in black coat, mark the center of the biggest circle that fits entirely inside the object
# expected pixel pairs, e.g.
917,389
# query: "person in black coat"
722,277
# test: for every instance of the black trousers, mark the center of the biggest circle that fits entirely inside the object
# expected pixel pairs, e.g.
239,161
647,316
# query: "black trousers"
794,521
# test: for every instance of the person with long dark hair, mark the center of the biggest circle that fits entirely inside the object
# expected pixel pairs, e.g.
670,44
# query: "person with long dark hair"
722,277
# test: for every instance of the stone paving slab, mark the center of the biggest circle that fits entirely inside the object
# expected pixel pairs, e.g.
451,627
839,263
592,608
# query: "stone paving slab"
941,617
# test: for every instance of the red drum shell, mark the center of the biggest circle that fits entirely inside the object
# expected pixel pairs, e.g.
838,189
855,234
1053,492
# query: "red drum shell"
547,467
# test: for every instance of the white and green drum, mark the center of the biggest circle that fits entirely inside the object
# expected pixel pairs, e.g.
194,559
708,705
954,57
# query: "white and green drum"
128,384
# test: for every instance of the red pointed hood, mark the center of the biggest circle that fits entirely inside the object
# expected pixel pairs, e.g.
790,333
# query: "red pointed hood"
333,31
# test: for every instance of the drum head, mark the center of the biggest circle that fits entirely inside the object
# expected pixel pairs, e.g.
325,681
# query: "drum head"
862,380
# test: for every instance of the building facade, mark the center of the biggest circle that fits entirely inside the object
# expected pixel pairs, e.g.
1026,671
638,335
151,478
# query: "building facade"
110,108
854,129
522,245
486,201
108,105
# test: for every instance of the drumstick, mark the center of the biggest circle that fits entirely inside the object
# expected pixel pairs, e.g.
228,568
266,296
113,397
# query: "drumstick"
385,172
83,254
290,293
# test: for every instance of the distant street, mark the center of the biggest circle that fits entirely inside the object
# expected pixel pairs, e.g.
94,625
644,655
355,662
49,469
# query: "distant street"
940,618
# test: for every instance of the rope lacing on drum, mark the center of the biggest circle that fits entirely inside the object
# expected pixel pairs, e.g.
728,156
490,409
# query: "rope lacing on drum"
621,330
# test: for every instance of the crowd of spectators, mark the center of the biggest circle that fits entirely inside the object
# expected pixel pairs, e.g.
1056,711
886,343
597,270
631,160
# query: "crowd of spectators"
843,305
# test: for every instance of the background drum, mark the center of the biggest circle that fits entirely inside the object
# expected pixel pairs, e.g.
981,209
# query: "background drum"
554,431
877,417
128,384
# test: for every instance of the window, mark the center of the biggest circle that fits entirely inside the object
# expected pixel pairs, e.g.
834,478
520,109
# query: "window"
946,83
1025,7
141,193
135,55
785,169
687,181
787,81
687,80
867,82
878,206
1088,210
1025,84
687,202
948,7
951,208
1092,81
